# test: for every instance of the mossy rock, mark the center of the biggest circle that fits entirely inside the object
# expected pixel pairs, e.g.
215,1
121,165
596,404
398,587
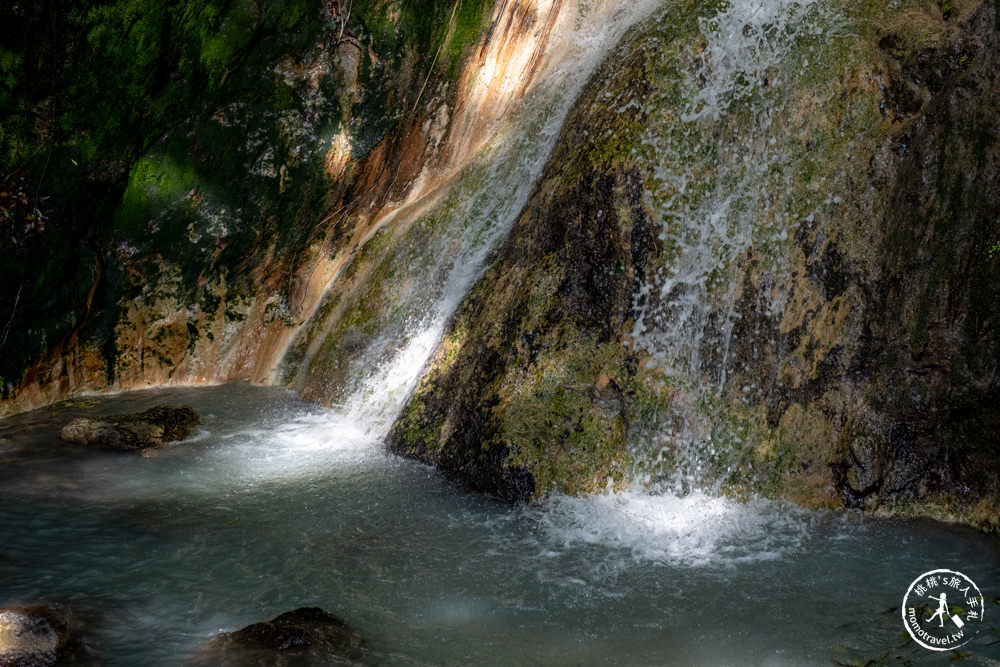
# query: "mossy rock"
844,348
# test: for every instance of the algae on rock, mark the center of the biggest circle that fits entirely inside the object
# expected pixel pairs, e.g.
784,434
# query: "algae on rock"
757,265
191,166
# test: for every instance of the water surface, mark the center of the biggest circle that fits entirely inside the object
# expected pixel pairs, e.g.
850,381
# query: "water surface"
276,503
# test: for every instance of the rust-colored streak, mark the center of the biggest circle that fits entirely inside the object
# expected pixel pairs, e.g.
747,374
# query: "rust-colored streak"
397,181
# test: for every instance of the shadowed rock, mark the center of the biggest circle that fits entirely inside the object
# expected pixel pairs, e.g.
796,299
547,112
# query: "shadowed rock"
152,428
34,636
304,636
852,359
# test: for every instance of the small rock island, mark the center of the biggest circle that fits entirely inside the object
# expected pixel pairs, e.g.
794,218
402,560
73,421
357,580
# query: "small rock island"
153,428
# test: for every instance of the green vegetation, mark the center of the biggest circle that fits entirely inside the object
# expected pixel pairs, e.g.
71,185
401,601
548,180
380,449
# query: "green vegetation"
79,114
137,135
443,28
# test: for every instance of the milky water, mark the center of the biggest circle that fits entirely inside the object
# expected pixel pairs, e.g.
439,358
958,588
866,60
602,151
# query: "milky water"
276,504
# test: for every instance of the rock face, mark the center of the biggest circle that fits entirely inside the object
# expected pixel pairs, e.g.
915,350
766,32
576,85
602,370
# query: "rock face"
271,136
35,636
304,636
766,265
526,394
152,428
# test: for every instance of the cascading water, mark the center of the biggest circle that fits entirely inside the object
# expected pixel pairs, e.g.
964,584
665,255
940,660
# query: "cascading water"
718,186
277,503
439,250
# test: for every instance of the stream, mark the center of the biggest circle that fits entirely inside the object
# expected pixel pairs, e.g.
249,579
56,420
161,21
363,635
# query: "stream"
276,503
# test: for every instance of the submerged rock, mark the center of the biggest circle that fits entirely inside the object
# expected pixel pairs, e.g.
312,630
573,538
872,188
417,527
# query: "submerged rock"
34,636
308,635
152,428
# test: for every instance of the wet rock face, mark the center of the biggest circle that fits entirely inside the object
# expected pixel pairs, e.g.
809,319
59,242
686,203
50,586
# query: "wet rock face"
228,153
527,393
35,636
306,636
152,428
832,337
911,380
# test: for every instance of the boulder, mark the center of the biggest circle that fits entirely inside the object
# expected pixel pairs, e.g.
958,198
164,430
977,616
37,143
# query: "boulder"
664,314
152,428
308,635
34,636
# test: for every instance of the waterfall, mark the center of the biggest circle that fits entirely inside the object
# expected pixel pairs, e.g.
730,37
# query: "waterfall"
429,252
718,183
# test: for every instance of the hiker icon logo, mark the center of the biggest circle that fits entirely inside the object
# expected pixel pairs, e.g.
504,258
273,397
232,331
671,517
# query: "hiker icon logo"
942,610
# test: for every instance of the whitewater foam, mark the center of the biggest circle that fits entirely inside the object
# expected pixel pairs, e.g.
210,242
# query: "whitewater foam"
693,530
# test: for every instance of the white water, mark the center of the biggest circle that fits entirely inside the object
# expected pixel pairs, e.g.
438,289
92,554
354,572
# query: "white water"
452,242
746,42
711,220
720,184
279,504
694,530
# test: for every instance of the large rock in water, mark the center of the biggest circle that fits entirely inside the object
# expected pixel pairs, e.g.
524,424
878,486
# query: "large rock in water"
152,428
764,257
308,635
34,636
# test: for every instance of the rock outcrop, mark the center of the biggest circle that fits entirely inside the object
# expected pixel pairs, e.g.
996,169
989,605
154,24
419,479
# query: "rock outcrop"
153,428
308,636
764,258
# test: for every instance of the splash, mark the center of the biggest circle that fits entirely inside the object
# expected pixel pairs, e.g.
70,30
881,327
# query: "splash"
694,530
720,177
746,42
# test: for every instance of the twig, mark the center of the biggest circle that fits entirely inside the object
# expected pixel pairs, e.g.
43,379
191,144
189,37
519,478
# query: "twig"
45,167
13,311
343,212
434,62
343,22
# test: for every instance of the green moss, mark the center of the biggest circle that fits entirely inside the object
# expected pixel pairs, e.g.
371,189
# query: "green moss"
375,245
467,28
554,421
155,183
420,435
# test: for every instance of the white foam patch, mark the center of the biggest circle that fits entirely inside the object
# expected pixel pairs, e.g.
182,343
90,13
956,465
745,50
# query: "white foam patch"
321,432
696,529
308,443
296,446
